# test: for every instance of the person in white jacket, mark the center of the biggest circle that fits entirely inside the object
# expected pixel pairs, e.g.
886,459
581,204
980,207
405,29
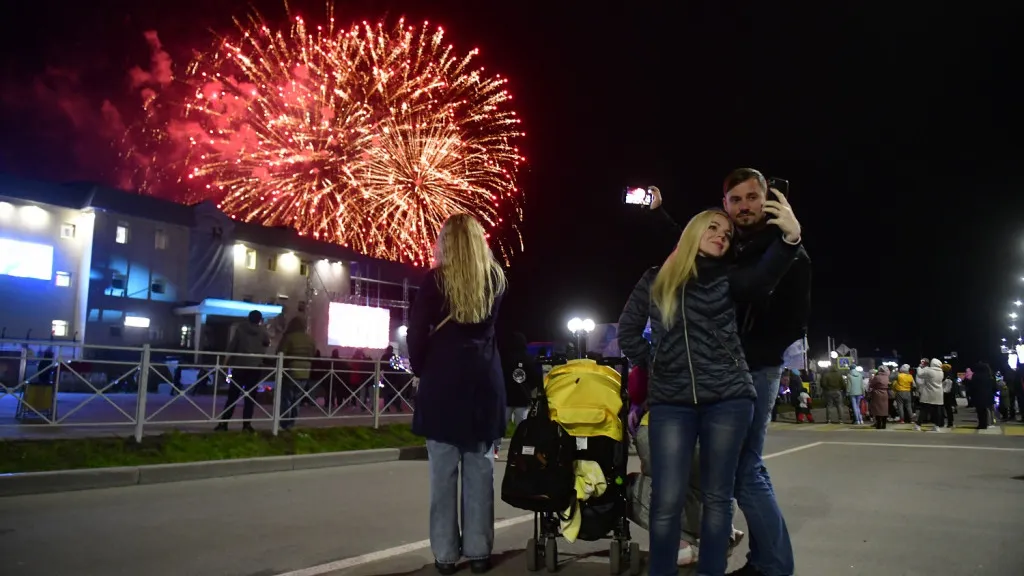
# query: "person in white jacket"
929,386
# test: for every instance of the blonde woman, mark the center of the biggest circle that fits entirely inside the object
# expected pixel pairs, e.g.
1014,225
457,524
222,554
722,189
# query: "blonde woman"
460,403
700,385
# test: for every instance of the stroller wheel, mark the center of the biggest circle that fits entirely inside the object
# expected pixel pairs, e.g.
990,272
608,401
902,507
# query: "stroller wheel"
532,555
551,555
615,558
634,559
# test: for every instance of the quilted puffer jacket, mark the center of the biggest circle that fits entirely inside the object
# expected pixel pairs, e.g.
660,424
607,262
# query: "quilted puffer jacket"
700,359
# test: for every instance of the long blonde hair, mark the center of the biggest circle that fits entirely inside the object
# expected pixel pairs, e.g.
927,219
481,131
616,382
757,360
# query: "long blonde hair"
467,272
680,266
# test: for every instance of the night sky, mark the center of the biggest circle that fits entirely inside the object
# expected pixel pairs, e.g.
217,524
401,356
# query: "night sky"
898,129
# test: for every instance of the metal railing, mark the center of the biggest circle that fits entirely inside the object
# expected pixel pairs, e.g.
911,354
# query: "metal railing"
89,390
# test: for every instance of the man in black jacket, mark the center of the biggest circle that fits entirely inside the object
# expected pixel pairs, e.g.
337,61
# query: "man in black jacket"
767,328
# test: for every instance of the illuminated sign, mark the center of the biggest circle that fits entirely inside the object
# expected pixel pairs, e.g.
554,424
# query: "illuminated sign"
352,326
26,259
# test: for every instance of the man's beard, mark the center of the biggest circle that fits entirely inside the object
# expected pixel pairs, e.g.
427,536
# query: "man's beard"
756,224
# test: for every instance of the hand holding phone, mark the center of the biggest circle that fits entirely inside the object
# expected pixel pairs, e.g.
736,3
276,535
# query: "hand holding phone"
649,197
780,184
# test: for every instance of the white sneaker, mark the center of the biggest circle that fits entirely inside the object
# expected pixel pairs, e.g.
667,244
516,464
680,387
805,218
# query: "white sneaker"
917,427
939,429
687,555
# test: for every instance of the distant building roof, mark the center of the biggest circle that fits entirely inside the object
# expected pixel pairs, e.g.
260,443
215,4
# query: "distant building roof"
83,195
289,239
45,192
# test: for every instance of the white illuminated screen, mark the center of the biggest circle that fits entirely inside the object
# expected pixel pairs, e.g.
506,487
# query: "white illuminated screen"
352,326
26,259
637,196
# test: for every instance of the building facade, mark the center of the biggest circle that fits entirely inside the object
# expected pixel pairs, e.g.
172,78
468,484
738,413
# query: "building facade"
111,268
45,253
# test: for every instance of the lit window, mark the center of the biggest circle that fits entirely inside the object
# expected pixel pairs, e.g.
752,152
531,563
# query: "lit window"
272,263
304,269
136,321
250,259
122,233
59,327
63,279
161,240
67,230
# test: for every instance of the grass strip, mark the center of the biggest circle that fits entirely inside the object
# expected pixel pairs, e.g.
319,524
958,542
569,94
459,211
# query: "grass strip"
175,447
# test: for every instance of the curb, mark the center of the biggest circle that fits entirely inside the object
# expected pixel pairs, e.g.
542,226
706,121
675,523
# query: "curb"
93,478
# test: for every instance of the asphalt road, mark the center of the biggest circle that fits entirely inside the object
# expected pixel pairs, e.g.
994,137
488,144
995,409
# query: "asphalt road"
857,503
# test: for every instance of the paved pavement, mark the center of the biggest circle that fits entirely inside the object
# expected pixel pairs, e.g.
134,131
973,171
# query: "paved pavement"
857,502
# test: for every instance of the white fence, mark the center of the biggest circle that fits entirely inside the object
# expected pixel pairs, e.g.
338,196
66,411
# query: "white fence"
62,385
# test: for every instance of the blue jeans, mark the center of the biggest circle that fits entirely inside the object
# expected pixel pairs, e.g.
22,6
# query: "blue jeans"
855,400
291,398
674,429
477,536
771,551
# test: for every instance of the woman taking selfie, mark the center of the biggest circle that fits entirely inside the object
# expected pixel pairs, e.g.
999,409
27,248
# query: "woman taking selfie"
460,403
700,385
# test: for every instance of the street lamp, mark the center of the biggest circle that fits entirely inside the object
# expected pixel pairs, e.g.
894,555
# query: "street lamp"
580,327
834,354
1018,303
1013,315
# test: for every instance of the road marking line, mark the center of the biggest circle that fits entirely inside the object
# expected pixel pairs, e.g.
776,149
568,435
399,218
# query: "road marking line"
389,553
791,450
414,546
954,447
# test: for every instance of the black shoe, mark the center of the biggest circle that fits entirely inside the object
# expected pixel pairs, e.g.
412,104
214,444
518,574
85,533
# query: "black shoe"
480,566
222,427
747,570
248,428
446,569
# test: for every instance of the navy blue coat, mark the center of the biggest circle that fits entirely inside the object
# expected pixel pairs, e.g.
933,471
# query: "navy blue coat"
461,396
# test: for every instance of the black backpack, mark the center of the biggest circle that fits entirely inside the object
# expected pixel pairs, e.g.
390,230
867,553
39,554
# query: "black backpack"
539,476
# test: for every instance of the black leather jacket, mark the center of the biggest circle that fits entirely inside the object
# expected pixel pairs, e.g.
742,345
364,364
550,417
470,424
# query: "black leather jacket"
700,358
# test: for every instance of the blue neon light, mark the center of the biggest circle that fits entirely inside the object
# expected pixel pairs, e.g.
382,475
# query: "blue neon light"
242,306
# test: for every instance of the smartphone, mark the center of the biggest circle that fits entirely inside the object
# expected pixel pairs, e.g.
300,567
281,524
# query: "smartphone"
635,196
780,184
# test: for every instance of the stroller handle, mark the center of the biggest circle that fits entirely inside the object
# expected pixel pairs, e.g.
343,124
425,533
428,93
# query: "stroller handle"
558,360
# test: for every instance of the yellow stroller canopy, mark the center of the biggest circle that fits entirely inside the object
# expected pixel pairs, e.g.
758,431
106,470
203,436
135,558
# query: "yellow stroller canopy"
585,398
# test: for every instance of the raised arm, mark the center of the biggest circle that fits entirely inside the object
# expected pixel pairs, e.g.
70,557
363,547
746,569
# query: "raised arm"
750,283
633,320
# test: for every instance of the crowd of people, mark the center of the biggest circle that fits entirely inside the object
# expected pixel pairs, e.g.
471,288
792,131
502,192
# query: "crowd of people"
722,309
922,396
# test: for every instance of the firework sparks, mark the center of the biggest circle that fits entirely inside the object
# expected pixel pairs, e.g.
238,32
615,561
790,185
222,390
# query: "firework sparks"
369,137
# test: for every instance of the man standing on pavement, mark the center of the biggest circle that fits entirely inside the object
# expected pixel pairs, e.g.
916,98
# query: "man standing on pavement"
767,329
832,387
249,338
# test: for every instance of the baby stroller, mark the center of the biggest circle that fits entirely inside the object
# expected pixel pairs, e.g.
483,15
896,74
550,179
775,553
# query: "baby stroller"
586,404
